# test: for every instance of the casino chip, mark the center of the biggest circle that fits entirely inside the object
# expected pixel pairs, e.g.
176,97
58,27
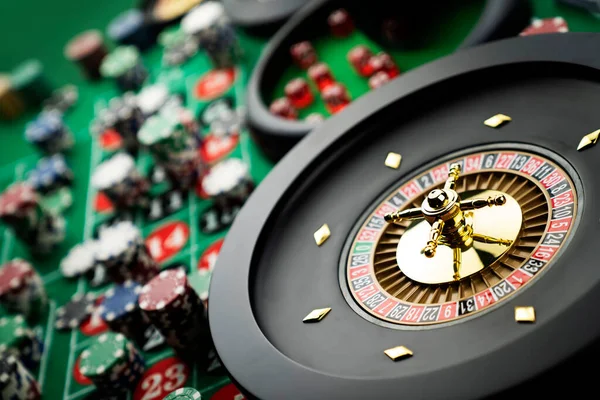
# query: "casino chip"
29,80
50,173
16,382
21,289
152,98
121,312
226,177
80,260
17,338
88,50
202,17
185,393
62,99
77,310
164,12
547,25
112,363
129,28
227,123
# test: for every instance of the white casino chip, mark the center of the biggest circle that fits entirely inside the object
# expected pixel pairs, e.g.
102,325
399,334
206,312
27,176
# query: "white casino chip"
116,239
225,176
202,17
152,98
80,259
112,171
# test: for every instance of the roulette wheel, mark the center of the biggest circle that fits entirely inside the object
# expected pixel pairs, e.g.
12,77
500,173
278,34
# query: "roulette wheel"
434,241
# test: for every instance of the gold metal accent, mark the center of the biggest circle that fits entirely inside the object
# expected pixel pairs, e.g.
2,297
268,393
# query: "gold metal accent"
393,160
525,314
403,272
450,225
497,120
398,353
316,315
451,263
322,234
588,140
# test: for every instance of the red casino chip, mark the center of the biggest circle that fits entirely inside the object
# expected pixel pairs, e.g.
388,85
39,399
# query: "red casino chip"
547,25
209,256
167,240
13,275
17,197
214,84
163,290
161,379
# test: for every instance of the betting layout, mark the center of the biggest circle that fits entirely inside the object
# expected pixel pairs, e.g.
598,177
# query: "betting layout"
170,164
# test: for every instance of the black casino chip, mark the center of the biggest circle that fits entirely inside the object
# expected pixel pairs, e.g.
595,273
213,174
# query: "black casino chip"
440,234
77,310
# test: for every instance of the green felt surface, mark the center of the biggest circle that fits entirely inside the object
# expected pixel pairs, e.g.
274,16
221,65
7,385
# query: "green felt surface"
31,28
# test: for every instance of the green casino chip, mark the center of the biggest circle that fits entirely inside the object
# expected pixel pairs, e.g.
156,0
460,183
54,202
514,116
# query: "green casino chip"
172,38
13,330
28,79
119,61
108,350
185,393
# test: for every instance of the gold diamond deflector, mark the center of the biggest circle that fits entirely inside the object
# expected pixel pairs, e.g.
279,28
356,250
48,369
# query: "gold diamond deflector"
393,160
398,353
525,314
317,315
500,222
322,234
588,140
497,120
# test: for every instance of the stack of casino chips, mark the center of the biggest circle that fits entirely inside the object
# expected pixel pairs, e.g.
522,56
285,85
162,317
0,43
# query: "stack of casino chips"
112,363
228,183
20,209
88,50
16,382
49,132
122,115
124,65
11,103
178,48
21,289
29,80
209,25
172,305
121,312
119,179
130,28
18,339
123,253
173,142
50,173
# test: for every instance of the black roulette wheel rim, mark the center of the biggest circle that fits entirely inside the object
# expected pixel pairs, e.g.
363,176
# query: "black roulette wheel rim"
516,354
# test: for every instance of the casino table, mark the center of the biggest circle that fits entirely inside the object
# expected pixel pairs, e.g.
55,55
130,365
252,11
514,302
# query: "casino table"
186,229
